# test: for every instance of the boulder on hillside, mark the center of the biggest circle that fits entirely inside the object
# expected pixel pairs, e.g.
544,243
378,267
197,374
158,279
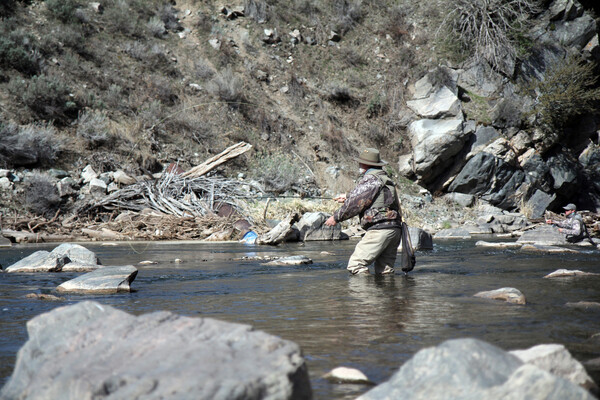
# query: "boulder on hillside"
557,360
311,227
576,33
435,143
441,103
89,350
472,369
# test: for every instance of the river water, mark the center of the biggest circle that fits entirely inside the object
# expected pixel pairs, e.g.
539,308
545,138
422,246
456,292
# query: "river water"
365,322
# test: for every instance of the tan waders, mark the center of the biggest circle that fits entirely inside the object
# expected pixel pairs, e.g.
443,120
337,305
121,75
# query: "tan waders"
379,246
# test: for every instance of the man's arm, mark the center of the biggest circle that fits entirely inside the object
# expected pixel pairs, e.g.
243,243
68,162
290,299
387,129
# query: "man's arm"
358,200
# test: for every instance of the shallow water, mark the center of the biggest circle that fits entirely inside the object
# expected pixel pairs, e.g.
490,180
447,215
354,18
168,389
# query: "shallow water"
373,324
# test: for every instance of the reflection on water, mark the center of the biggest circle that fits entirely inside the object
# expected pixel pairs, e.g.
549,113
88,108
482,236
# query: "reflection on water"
371,323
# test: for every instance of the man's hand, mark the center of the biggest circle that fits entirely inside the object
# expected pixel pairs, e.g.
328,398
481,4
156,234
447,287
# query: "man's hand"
330,221
548,221
340,199
560,230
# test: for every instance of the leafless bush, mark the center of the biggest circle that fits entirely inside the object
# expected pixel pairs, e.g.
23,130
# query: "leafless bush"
41,195
484,28
63,10
156,27
118,17
136,50
203,69
340,95
168,15
92,126
257,10
114,97
28,145
346,15
278,172
228,88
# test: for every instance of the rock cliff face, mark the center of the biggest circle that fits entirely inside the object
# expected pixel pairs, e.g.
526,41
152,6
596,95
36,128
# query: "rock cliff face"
507,160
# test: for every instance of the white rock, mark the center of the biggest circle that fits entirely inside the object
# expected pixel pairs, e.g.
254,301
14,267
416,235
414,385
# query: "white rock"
97,187
121,177
556,359
88,174
346,375
215,43
5,184
441,103
567,272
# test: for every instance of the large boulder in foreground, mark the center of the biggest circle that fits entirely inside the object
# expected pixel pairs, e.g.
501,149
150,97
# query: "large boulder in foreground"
470,369
89,350
104,280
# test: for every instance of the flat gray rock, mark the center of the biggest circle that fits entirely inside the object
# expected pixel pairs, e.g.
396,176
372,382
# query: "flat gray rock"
103,280
470,369
40,261
76,253
94,351
544,235
499,245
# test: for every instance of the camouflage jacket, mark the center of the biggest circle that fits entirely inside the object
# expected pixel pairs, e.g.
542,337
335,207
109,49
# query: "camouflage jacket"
364,195
573,226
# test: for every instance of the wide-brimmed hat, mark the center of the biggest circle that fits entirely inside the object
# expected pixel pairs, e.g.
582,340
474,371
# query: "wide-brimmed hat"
570,206
370,156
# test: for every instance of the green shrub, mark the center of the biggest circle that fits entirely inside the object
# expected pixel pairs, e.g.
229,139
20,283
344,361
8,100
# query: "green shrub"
278,171
63,10
567,90
49,98
18,50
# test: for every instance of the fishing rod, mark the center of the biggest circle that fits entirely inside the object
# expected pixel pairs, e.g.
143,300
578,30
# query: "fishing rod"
284,197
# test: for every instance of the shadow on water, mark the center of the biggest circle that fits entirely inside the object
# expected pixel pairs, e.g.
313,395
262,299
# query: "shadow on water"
371,323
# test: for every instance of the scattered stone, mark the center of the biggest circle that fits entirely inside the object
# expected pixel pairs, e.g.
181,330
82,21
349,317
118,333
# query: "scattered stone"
88,174
122,178
566,272
215,43
5,184
147,262
105,352
546,249
103,280
499,245
472,369
312,227
98,187
347,375
41,296
453,233
328,253
557,360
66,187
508,294
178,261
291,260
334,37
584,304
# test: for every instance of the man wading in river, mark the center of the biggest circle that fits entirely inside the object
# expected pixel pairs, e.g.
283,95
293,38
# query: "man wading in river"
573,227
375,201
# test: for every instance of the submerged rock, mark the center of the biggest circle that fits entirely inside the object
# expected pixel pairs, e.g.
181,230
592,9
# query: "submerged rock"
508,294
472,369
556,359
103,280
291,260
547,249
568,272
89,350
347,375
584,304
498,245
